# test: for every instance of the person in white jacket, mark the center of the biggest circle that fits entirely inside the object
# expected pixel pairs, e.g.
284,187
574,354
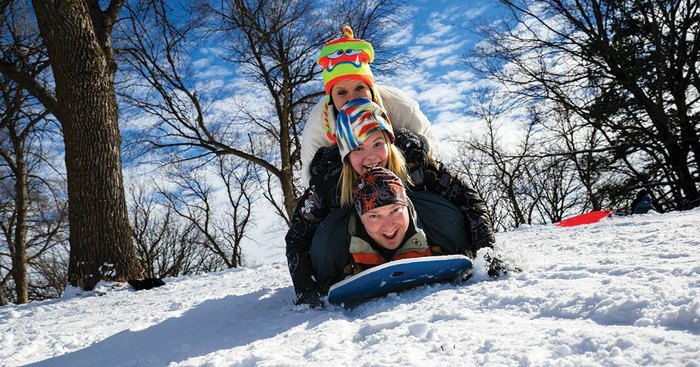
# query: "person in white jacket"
346,76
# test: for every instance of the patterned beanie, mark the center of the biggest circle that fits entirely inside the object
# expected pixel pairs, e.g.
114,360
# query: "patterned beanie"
357,120
378,187
341,59
346,58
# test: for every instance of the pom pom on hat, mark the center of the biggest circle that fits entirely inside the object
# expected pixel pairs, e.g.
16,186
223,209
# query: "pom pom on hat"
376,188
346,58
357,120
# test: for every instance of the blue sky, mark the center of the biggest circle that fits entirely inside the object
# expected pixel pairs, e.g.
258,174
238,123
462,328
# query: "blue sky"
440,36
437,39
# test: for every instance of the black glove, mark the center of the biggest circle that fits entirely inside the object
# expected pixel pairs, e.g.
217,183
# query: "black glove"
497,267
311,297
411,146
324,159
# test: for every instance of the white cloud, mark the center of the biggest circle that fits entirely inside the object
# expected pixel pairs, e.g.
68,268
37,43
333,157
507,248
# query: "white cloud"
449,52
213,71
439,82
401,36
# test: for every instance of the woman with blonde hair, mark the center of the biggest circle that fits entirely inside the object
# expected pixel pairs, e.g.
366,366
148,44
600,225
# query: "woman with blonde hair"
347,76
455,217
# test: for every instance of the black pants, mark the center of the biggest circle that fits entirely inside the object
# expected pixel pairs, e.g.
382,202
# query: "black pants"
442,222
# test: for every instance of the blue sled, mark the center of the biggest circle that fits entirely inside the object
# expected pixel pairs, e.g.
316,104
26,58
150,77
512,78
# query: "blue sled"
398,275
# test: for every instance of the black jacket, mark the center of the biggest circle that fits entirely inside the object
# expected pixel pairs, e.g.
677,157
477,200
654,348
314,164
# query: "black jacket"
322,196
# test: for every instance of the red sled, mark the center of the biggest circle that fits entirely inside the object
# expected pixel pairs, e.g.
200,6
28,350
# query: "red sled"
585,218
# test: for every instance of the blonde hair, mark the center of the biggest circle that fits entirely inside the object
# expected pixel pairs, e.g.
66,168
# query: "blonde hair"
348,177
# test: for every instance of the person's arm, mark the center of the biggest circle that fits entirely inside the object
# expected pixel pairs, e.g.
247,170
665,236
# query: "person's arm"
440,180
430,175
404,112
308,214
313,208
313,137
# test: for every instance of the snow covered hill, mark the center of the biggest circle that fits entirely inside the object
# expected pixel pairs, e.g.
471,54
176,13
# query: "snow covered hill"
622,292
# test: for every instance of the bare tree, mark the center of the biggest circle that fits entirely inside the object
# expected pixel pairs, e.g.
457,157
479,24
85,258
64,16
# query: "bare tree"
504,169
16,128
272,47
583,146
32,215
166,244
46,245
555,189
32,211
79,93
220,219
51,273
626,68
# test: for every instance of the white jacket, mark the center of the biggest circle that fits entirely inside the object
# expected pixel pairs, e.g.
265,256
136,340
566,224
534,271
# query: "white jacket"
403,112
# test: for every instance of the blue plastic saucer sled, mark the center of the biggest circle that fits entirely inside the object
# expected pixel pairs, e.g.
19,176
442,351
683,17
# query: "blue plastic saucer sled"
398,275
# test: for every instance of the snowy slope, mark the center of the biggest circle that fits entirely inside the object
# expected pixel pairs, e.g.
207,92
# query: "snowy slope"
622,292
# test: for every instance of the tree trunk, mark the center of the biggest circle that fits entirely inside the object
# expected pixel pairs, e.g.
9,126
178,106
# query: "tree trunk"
77,36
286,173
679,161
3,302
19,255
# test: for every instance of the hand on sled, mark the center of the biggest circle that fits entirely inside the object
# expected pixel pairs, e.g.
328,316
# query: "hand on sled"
311,296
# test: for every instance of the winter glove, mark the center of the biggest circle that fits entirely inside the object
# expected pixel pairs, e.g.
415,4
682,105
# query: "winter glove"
497,267
324,159
410,145
311,297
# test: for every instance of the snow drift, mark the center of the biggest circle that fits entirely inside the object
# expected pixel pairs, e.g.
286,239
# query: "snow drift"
624,291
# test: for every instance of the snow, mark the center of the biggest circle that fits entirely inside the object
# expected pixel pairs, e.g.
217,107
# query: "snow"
621,292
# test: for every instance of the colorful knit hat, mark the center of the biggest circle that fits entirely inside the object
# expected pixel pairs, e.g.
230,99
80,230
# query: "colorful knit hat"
357,120
341,59
346,58
378,187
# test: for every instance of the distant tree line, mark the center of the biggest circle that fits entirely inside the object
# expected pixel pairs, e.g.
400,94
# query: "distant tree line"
605,95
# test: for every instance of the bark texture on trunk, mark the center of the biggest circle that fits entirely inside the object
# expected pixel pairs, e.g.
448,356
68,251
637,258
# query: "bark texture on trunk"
77,36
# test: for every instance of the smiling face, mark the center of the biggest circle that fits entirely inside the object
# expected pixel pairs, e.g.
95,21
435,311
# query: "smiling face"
386,225
349,89
373,152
